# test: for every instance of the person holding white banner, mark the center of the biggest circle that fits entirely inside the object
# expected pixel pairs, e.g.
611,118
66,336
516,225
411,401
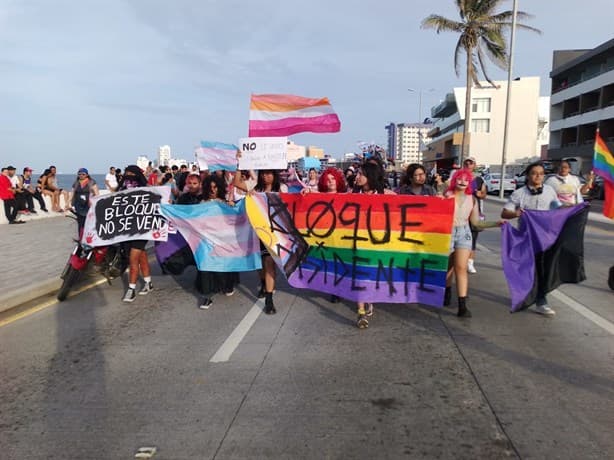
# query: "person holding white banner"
133,178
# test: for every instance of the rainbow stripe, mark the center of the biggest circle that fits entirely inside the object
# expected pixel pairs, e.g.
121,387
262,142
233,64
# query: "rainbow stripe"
274,115
603,164
366,248
603,161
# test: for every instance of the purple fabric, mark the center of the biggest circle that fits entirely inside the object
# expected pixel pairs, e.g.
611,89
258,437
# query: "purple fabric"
537,231
165,249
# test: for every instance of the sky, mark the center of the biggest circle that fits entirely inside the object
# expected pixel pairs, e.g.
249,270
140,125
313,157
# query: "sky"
89,83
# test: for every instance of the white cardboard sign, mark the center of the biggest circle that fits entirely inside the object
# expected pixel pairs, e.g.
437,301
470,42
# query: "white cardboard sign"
263,153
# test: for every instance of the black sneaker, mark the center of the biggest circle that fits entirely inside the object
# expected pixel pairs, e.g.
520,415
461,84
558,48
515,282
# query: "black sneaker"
33,212
269,306
130,295
205,304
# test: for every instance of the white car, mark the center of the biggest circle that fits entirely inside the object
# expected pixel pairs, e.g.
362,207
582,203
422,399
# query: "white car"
493,183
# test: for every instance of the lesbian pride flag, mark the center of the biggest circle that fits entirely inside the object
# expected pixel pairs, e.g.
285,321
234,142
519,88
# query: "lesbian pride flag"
216,156
603,164
278,115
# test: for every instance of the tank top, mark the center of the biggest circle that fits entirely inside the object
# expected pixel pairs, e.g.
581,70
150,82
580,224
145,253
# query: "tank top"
463,211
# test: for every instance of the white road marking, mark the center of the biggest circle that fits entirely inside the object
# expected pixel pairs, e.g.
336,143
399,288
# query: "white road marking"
146,452
581,309
234,339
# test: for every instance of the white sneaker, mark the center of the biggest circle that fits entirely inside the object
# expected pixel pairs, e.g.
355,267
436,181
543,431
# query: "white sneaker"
471,267
130,295
544,310
146,289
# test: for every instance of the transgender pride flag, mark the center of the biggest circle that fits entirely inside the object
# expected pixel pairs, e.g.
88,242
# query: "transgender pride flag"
220,235
216,156
279,115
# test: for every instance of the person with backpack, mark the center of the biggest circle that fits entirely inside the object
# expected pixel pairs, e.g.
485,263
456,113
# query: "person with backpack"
479,191
83,189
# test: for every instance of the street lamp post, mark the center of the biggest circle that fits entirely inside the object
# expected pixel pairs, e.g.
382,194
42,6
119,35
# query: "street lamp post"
419,91
508,98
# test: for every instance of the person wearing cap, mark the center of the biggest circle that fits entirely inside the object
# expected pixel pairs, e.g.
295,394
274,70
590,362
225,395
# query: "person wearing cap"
31,191
7,195
479,192
83,189
20,197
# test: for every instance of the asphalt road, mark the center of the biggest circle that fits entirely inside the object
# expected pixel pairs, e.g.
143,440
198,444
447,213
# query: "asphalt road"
94,378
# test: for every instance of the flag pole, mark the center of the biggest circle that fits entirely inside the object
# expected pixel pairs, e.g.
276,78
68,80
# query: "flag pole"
508,98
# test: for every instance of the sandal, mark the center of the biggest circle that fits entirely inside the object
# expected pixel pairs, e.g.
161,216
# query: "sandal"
369,309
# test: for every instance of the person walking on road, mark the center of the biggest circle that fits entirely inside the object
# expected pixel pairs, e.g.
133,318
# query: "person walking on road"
133,177
465,212
479,193
83,190
535,195
370,180
567,186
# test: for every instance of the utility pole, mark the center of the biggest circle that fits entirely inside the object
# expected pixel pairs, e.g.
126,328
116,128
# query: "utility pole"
508,99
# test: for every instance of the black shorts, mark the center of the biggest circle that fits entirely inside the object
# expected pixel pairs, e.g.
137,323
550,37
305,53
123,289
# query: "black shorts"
136,244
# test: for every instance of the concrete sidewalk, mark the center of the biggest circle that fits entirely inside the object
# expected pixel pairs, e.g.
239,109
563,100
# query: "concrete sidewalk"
34,255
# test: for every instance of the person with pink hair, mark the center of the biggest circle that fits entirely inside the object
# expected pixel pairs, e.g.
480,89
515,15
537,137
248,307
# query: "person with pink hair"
465,211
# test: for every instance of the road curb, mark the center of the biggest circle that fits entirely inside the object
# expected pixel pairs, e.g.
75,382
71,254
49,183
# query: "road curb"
13,299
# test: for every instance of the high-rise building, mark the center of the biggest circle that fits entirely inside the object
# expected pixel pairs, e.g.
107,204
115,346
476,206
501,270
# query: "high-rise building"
407,141
582,100
164,155
487,123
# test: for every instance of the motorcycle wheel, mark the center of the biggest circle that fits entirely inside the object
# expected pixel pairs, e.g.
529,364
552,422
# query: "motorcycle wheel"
70,278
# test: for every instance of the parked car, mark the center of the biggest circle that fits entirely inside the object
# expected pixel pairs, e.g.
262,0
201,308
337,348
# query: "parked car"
493,183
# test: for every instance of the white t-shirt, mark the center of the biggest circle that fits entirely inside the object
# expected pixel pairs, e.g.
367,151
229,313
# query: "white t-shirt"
111,181
567,188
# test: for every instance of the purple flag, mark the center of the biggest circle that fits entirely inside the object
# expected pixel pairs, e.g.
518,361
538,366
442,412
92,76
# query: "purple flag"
556,235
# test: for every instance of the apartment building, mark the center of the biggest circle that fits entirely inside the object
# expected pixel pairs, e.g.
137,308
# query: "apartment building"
406,141
582,100
487,123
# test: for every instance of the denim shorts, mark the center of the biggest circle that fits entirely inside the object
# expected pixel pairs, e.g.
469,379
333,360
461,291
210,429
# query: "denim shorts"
461,238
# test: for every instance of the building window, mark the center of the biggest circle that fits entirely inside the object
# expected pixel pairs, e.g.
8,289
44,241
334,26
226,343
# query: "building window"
480,125
481,105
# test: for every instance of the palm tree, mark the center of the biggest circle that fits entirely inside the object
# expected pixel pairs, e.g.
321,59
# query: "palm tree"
481,34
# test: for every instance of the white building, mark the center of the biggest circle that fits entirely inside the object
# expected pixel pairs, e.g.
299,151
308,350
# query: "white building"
485,137
407,141
164,155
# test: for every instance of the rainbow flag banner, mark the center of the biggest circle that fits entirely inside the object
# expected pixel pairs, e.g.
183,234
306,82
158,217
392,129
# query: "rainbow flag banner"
603,165
275,115
216,156
367,248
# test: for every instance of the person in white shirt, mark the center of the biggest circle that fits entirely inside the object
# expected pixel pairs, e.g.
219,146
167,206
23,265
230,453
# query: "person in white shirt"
110,180
568,187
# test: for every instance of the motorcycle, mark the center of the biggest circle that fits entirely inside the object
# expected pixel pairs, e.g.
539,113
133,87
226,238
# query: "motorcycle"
109,261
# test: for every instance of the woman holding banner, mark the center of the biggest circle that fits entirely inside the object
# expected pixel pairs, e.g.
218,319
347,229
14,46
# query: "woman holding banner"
370,180
209,283
133,178
465,211
268,181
